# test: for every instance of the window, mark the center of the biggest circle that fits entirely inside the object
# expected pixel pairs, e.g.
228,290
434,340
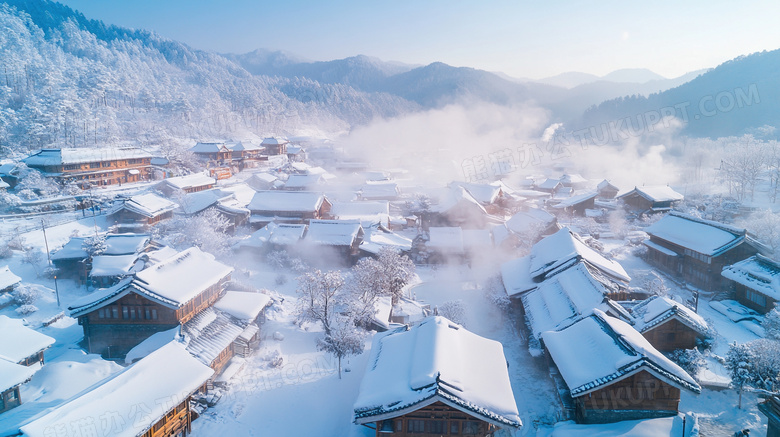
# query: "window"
105,164
454,428
754,297
154,314
132,313
415,426
470,427
94,165
115,312
147,314
125,313
13,395
436,426
101,314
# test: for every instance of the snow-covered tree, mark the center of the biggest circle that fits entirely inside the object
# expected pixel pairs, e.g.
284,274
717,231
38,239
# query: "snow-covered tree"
384,276
691,360
771,323
95,245
342,339
206,230
765,367
320,297
738,363
765,225
32,256
742,165
454,310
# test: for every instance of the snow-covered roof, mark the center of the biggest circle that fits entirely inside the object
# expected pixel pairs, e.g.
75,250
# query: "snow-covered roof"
477,239
563,246
445,238
182,277
189,181
242,193
379,190
169,373
243,305
656,193
294,149
377,237
292,201
548,184
703,236
603,185
572,178
49,157
564,298
18,342
333,232
100,297
299,181
454,196
530,220
484,193
758,273
4,184
113,265
149,205
656,310
373,211
125,244
263,177
8,278
274,141
600,350
193,203
574,200
209,148
210,332
73,249
436,361
516,277
12,374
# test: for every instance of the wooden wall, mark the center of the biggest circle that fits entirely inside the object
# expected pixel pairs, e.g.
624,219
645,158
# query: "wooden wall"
671,335
436,420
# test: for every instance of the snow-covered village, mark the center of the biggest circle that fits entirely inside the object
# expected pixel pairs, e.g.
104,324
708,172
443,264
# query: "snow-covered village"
288,242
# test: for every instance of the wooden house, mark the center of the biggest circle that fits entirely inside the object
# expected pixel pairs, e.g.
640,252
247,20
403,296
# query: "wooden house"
72,260
12,375
142,209
263,181
305,182
650,199
275,145
573,180
549,186
224,202
606,190
150,398
669,325
247,155
435,378
93,166
458,208
368,212
20,344
577,204
287,207
8,280
213,153
343,236
273,236
155,299
296,153
494,197
696,250
771,409
9,174
608,372
532,223
380,190
755,282
189,184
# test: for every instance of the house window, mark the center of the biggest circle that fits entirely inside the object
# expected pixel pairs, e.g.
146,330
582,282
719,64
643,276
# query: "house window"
101,314
147,314
154,314
470,427
415,426
13,396
132,313
115,312
454,427
94,165
436,426
756,298
125,313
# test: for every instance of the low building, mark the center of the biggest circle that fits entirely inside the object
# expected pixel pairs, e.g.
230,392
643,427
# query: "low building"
287,207
188,184
12,375
697,250
344,236
8,280
611,373
93,166
669,325
150,398
20,344
273,236
142,210
436,378
158,298
771,409
275,145
650,199
755,282
577,204
532,223
380,190
607,190
549,186
213,153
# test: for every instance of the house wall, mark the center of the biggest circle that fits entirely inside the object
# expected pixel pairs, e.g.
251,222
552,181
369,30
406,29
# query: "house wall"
671,335
175,422
640,396
436,420
752,298
102,173
9,399
636,202
32,359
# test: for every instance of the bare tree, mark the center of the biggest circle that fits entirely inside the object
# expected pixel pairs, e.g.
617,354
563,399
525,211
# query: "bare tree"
319,297
343,339
742,165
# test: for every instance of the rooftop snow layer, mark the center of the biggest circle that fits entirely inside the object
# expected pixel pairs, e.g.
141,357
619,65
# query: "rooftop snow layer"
112,265
757,273
292,201
18,342
515,276
73,249
8,278
12,374
563,246
183,276
137,397
189,181
49,157
436,360
657,309
574,200
333,232
600,349
703,236
658,193
125,244
209,148
243,305
531,220
149,205
445,238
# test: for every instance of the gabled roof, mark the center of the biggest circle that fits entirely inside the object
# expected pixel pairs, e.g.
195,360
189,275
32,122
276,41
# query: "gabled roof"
516,277
210,332
656,310
566,297
8,278
758,273
655,193
378,237
333,232
457,196
574,178
530,220
574,200
308,180
243,305
113,265
436,361
484,193
73,249
170,373
600,350
548,184
603,185
189,181
564,246
100,298
209,148
125,244
281,234
193,203
289,201
49,157
374,211
702,236
379,190
148,205
274,141
18,342
12,374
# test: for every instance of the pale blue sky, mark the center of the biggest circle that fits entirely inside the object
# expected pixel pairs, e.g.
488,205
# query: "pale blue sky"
519,38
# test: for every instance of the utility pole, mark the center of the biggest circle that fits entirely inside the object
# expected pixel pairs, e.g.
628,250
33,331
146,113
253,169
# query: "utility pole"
48,256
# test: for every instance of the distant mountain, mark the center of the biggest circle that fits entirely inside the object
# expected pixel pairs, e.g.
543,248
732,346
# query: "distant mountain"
632,75
569,79
67,80
736,97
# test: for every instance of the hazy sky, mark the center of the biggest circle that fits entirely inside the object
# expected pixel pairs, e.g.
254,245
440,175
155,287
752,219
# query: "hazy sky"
519,38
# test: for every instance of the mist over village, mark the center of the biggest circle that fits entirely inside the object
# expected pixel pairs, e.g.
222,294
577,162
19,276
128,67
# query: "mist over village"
401,219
